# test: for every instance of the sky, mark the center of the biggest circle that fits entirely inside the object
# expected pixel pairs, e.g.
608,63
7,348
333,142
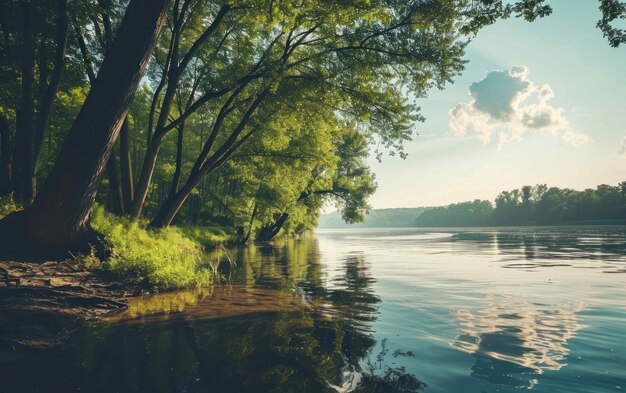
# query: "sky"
538,103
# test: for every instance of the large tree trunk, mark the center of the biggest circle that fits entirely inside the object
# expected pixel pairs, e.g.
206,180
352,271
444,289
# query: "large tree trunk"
58,219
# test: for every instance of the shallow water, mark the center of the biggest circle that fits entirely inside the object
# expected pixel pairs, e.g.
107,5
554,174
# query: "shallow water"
370,310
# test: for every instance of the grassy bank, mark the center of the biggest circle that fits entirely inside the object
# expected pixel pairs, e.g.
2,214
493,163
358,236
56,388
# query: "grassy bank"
161,259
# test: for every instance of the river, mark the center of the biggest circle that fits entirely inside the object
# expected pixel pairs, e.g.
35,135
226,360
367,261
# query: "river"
369,310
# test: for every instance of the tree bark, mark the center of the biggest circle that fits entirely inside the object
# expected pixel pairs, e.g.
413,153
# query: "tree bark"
154,144
145,178
58,219
246,237
268,233
115,188
50,89
179,161
126,168
205,164
174,69
172,205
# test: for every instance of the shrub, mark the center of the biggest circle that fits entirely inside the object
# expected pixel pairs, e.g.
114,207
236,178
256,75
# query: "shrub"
162,259
7,205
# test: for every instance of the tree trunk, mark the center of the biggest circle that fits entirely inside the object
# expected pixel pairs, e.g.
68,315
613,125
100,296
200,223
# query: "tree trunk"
154,145
24,133
126,169
205,165
267,233
172,205
179,161
5,158
50,90
249,233
174,69
145,178
58,219
115,188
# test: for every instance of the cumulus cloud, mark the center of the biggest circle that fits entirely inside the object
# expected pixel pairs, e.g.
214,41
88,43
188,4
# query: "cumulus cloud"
505,105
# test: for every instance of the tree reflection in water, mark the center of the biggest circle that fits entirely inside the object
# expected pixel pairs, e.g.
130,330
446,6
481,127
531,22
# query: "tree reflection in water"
280,327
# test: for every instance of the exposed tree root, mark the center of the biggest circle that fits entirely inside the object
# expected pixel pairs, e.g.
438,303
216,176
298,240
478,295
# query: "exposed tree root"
52,300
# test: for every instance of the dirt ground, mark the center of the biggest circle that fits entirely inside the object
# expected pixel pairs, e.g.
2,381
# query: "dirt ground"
41,304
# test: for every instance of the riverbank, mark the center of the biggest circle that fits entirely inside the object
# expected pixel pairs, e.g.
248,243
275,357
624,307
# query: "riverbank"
43,303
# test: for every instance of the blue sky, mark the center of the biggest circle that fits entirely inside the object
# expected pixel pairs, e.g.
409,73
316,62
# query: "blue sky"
567,134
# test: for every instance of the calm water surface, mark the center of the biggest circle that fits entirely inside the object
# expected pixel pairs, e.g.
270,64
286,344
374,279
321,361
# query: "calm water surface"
370,310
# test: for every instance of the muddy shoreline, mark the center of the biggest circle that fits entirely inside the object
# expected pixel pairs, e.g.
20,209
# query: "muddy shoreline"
42,304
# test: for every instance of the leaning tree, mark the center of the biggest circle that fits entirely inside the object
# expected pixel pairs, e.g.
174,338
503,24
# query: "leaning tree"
58,218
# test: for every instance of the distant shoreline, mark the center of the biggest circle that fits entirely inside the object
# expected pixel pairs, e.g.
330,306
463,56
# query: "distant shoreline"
617,222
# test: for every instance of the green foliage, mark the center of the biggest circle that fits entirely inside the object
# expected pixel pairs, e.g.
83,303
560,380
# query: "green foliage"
277,105
160,259
464,214
538,205
91,260
8,205
613,15
207,237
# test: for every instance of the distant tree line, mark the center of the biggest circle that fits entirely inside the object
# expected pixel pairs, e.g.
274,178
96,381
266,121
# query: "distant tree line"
534,205
377,218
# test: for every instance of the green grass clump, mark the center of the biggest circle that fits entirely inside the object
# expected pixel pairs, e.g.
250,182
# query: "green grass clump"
162,259
207,236
8,205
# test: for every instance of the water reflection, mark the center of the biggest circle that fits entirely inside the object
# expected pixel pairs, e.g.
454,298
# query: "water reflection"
369,311
280,325
509,338
602,248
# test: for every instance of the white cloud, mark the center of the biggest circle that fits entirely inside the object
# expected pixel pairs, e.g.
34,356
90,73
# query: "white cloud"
499,107
574,138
